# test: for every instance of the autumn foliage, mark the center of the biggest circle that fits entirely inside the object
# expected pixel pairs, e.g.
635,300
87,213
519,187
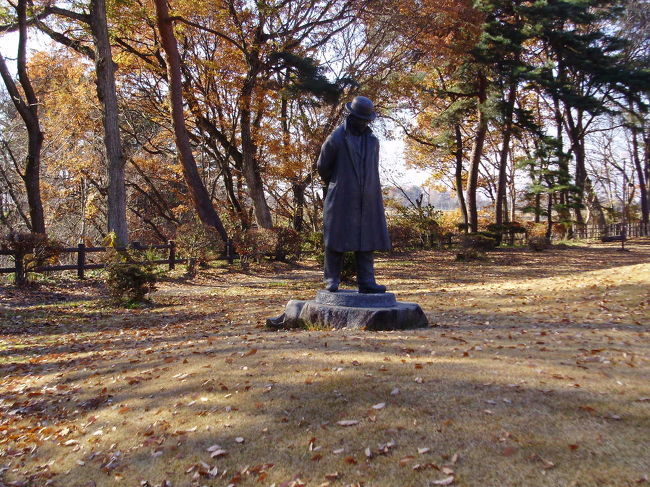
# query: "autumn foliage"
517,109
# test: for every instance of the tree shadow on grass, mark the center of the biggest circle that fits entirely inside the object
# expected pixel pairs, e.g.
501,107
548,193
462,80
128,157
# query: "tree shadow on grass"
505,264
449,412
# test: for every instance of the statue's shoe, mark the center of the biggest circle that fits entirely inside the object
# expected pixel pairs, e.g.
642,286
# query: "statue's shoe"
332,287
372,289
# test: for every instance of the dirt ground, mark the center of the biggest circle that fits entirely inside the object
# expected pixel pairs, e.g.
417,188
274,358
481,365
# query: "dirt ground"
535,371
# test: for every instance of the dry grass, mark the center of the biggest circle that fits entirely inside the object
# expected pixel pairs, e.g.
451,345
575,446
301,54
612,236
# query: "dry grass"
535,374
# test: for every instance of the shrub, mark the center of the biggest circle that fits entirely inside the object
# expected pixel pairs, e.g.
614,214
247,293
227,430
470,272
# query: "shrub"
313,242
561,230
538,243
30,250
199,243
498,230
403,236
509,229
469,254
129,275
448,220
254,244
288,243
480,241
415,224
515,227
535,229
129,282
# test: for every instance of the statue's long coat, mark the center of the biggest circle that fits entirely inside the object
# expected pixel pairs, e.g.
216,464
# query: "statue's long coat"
353,212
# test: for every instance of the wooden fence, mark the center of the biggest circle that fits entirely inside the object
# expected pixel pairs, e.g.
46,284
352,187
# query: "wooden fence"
611,230
82,252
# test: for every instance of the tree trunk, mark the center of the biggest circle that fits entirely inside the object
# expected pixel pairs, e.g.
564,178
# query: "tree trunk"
198,193
594,203
549,215
459,174
106,93
576,134
645,131
33,180
639,167
27,107
564,177
477,153
505,151
250,165
299,205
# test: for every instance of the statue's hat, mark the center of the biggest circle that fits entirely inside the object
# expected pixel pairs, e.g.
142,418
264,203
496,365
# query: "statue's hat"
362,107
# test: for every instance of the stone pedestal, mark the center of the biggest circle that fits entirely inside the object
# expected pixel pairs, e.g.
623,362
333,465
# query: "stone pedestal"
350,309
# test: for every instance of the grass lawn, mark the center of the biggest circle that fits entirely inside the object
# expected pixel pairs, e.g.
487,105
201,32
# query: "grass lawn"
535,372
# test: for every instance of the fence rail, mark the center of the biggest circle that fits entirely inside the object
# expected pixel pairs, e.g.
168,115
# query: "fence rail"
82,251
612,230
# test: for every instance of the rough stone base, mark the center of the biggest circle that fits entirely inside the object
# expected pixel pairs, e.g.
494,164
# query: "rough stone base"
348,309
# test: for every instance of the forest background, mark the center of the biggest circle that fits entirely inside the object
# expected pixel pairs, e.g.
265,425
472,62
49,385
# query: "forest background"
150,121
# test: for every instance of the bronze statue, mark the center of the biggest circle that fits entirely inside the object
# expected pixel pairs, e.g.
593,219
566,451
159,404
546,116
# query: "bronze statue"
353,213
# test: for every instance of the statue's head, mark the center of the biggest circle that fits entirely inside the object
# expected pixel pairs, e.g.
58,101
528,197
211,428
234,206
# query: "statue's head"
362,107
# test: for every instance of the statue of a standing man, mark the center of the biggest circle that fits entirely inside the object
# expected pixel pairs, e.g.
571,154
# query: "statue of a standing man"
353,217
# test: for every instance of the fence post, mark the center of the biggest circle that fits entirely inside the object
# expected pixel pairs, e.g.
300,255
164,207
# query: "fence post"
172,255
19,276
229,252
81,260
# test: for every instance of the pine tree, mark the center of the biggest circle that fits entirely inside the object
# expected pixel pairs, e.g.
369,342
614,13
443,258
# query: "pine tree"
582,69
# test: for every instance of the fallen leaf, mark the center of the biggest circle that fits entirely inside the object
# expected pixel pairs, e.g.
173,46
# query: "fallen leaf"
347,422
380,405
405,460
615,417
547,463
446,481
508,451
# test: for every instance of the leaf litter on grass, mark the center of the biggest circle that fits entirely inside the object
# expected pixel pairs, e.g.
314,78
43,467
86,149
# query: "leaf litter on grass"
193,390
